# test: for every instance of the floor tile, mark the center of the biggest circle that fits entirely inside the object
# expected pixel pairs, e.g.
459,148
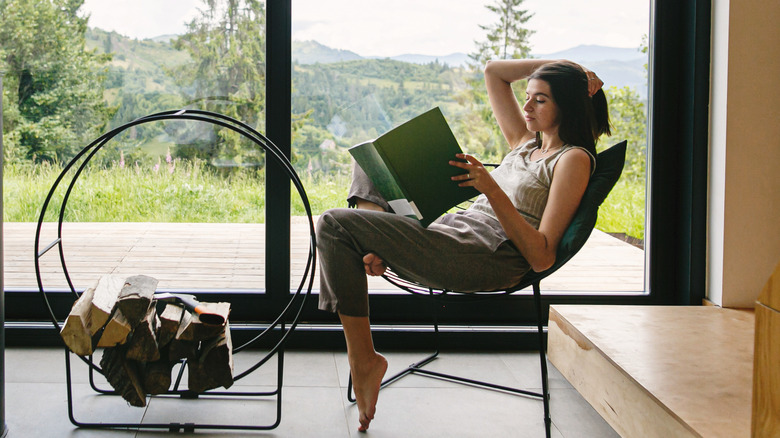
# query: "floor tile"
40,410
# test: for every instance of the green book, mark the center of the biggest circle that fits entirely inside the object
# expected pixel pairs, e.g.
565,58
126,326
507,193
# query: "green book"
409,165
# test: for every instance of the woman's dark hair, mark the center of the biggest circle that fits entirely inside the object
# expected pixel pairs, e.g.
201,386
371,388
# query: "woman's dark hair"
583,119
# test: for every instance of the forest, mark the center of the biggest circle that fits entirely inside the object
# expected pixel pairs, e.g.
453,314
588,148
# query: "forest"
65,83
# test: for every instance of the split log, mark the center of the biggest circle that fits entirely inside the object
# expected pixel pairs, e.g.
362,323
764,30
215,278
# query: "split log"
170,319
217,358
123,375
77,330
157,376
135,297
214,366
106,293
143,342
116,332
193,329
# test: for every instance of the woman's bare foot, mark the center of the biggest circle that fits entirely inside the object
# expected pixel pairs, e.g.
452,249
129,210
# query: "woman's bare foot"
374,264
366,379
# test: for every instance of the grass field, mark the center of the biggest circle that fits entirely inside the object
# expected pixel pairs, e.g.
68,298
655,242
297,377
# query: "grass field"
183,192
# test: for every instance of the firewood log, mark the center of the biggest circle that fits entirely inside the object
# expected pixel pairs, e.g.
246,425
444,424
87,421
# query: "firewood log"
122,375
214,365
106,293
170,319
216,357
135,297
116,332
77,330
157,376
143,342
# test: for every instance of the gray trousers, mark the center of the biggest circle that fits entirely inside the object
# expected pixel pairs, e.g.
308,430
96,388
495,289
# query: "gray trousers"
463,252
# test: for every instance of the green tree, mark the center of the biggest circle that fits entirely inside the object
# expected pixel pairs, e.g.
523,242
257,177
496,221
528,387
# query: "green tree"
629,122
505,39
227,72
53,87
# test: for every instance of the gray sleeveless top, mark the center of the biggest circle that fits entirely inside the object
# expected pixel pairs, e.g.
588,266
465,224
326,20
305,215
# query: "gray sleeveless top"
526,182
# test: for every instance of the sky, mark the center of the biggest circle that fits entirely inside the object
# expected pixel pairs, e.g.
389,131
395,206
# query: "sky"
394,27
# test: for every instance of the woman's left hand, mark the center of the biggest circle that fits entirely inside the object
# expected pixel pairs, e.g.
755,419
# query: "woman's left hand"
594,82
476,175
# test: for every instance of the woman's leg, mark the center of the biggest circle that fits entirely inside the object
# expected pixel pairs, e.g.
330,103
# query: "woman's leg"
345,237
366,366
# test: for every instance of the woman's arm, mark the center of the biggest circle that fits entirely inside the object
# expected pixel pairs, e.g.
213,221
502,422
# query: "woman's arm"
499,76
572,173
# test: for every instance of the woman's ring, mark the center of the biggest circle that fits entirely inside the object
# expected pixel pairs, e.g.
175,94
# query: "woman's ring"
468,176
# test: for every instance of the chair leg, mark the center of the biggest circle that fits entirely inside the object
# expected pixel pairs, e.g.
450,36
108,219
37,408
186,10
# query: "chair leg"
542,359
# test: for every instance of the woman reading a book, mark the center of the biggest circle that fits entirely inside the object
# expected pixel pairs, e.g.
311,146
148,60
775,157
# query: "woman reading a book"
514,226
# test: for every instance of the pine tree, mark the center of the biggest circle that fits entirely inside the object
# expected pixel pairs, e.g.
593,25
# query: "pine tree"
227,72
505,39
53,87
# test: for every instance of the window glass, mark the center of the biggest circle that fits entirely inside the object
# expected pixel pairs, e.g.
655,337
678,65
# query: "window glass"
182,201
361,68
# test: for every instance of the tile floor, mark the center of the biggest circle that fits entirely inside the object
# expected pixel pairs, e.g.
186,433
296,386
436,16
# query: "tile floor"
314,400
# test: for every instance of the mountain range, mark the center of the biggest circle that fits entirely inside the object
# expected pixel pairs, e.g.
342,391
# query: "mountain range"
621,67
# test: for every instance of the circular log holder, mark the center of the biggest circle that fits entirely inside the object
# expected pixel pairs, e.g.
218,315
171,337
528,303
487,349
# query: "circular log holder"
282,327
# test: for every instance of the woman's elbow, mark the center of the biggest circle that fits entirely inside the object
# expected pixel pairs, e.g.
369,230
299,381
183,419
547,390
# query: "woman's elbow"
543,263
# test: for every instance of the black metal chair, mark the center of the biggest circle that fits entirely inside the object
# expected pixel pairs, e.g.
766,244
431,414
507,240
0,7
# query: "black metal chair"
609,166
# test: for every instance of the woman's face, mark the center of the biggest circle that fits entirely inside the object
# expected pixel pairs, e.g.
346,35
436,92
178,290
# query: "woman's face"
541,111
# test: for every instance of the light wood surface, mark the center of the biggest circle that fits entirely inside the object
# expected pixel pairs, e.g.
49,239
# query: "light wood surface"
659,371
766,365
232,257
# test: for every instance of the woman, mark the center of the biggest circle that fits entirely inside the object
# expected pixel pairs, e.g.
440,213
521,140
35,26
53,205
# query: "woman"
513,226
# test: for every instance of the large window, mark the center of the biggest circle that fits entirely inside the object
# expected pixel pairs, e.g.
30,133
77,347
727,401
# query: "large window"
182,201
318,77
358,74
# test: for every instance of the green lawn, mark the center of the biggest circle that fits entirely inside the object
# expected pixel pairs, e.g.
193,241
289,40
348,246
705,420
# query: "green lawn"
196,193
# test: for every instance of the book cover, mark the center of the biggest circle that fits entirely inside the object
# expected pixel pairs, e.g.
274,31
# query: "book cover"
409,165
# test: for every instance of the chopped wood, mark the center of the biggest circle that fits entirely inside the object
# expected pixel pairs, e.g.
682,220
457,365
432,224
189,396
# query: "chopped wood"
216,358
143,342
142,348
116,332
179,349
123,376
106,293
157,376
77,330
169,324
198,379
135,297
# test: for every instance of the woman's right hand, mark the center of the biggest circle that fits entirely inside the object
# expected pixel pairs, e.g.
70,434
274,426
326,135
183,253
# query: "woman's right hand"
594,82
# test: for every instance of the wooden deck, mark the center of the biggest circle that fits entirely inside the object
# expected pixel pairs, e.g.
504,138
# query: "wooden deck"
196,256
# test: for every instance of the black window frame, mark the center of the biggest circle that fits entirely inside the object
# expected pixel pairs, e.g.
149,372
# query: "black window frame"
677,193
